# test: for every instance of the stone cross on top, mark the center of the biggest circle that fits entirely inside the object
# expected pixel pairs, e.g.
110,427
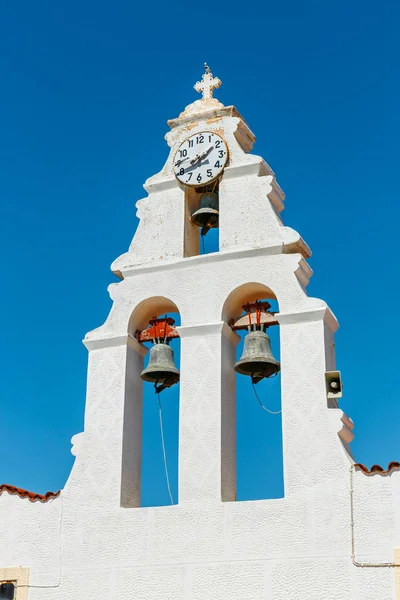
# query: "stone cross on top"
207,84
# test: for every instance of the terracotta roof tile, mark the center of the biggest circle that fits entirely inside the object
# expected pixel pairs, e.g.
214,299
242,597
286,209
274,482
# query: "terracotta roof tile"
11,489
32,497
378,469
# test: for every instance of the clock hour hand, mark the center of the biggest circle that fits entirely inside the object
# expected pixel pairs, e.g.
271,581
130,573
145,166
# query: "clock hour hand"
201,157
206,153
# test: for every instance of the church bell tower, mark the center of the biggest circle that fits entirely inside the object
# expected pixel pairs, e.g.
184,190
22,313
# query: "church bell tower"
210,179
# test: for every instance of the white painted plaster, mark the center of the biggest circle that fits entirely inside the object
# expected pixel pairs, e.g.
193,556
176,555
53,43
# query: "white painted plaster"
94,541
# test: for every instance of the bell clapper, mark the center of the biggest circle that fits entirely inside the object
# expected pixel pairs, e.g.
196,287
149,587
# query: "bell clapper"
202,240
160,388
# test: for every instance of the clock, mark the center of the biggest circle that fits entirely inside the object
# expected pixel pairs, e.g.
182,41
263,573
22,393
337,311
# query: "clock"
200,159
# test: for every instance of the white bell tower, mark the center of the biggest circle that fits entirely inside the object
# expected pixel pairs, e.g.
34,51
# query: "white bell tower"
163,271
208,545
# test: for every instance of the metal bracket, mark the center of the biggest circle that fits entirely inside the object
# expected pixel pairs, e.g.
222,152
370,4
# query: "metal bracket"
256,314
159,329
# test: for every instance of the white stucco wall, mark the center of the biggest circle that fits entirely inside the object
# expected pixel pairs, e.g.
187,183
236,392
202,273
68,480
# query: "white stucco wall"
94,541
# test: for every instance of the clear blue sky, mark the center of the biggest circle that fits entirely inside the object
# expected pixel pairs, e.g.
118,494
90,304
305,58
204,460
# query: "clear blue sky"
86,89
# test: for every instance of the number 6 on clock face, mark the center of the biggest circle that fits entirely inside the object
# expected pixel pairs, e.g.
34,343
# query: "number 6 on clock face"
200,159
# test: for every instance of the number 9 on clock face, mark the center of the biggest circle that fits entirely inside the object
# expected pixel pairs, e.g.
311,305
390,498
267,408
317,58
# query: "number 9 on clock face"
200,159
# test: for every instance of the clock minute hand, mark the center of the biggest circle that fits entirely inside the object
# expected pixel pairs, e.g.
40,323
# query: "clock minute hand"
207,152
181,160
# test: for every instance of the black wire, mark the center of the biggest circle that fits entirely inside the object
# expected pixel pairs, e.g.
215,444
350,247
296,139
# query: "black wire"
272,412
163,443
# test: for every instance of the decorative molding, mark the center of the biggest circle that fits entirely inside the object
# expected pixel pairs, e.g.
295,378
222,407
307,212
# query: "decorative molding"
113,342
346,431
331,320
209,329
76,442
201,330
105,342
155,187
244,169
322,313
303,272
191,261
224,111
244,136
293,243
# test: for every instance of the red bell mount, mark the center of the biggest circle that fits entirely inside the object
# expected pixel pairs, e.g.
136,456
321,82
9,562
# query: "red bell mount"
257,314
159,330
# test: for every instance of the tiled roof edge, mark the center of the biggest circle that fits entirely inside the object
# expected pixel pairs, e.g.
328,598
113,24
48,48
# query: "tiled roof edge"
378,469
32,497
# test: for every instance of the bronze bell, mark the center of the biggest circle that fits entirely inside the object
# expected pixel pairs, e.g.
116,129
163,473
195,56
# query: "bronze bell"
207,215
257,360
161,367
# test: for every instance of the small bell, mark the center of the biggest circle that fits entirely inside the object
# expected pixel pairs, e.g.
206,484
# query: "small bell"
161,367
257,360
207,215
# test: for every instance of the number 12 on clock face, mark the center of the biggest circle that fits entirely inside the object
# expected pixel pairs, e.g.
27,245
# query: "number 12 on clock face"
200,159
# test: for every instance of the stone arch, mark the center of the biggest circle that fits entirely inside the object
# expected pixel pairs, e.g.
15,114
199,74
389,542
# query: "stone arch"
148,308
136,412
246,292
256,436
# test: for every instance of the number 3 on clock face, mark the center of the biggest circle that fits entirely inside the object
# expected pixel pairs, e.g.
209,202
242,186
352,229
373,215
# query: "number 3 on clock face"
200,159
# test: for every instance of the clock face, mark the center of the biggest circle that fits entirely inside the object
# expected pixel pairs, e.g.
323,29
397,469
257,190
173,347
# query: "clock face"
200,159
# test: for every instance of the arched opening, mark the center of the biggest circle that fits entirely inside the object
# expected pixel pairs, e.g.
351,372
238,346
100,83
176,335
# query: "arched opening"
259,455
201,220
159,413
147,309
